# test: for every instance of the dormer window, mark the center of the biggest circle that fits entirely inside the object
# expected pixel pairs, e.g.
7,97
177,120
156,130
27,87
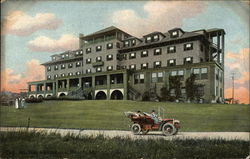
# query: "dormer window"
67,55
171,49
126,43
156,37
171,62
132,55
133,42
109,57
53,58
174,34
157,51
77,53
88,61
99,48
144,66
63,56
144,53
98,59
188,46
148,39
157,64
88,50
109,46
110,68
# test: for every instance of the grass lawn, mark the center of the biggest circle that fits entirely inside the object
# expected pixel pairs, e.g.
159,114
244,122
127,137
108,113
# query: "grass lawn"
108,114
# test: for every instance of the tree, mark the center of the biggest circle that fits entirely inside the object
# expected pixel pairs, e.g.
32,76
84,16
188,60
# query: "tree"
175,83
164,93
190,87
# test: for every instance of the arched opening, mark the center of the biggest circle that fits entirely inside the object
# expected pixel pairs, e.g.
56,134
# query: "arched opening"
62,95
117,95
101,95
40,97
32,97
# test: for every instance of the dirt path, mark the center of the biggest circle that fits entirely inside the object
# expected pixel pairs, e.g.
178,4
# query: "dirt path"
151,135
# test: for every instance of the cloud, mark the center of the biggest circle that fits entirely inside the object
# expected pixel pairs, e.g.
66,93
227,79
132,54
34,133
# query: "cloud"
46,44
21,24
160,16
13,82
241,94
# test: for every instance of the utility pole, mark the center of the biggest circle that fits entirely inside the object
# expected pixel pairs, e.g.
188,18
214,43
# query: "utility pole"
233,87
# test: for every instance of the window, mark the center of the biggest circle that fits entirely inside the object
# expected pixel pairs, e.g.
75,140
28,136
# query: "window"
63,66
98,48
217,74
148,38
78,73
109,57
56,67
171,49
188,46
53,58
77,53
157,51
174,34
109,68
132,55
63,75
48,68
133,42
98,59
179,73
126,43
56,76
144,66
110,46
156,37
81,52
48,77
196,72
204,74
66,55
78,64
139,78
63,56
157,77
188,60
117,45
88,70
70,65
171,62
132,67
98,69
88,50
157,64
88,61
201,48
70,74
144,53
123,67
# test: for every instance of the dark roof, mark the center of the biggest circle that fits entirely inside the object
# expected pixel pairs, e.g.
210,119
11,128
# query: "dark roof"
63,60
108,29
132,37
153,33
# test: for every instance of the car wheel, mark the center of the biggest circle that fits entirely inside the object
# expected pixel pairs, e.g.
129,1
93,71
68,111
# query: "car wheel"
144,132
176,131
168,129
136,129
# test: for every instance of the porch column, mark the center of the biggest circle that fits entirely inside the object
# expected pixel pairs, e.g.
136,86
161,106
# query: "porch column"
218,47
45,89
54,88
67,84
80,82
57,83
108,86
93,87
125,84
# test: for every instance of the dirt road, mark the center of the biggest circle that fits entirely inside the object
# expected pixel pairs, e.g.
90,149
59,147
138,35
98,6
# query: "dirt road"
151,135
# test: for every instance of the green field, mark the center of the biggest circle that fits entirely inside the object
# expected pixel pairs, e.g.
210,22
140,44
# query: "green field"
108,114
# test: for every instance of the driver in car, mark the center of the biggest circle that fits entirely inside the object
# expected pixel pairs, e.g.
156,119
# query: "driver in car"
155,117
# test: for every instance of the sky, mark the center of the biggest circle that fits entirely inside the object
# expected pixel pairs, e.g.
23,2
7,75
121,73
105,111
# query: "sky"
32,31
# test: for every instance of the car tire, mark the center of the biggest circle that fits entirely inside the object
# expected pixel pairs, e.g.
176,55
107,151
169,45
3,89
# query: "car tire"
144,132
168,129
136,129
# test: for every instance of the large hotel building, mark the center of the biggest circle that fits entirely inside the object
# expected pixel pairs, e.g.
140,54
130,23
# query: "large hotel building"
112,64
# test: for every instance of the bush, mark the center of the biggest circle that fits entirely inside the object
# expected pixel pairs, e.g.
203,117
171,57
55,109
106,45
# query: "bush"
146,96
41,145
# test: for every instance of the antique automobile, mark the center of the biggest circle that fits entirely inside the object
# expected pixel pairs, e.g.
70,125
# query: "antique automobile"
143,123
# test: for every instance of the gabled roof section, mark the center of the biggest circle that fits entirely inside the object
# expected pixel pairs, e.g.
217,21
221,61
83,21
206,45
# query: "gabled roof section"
108,29
154,33
174,29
